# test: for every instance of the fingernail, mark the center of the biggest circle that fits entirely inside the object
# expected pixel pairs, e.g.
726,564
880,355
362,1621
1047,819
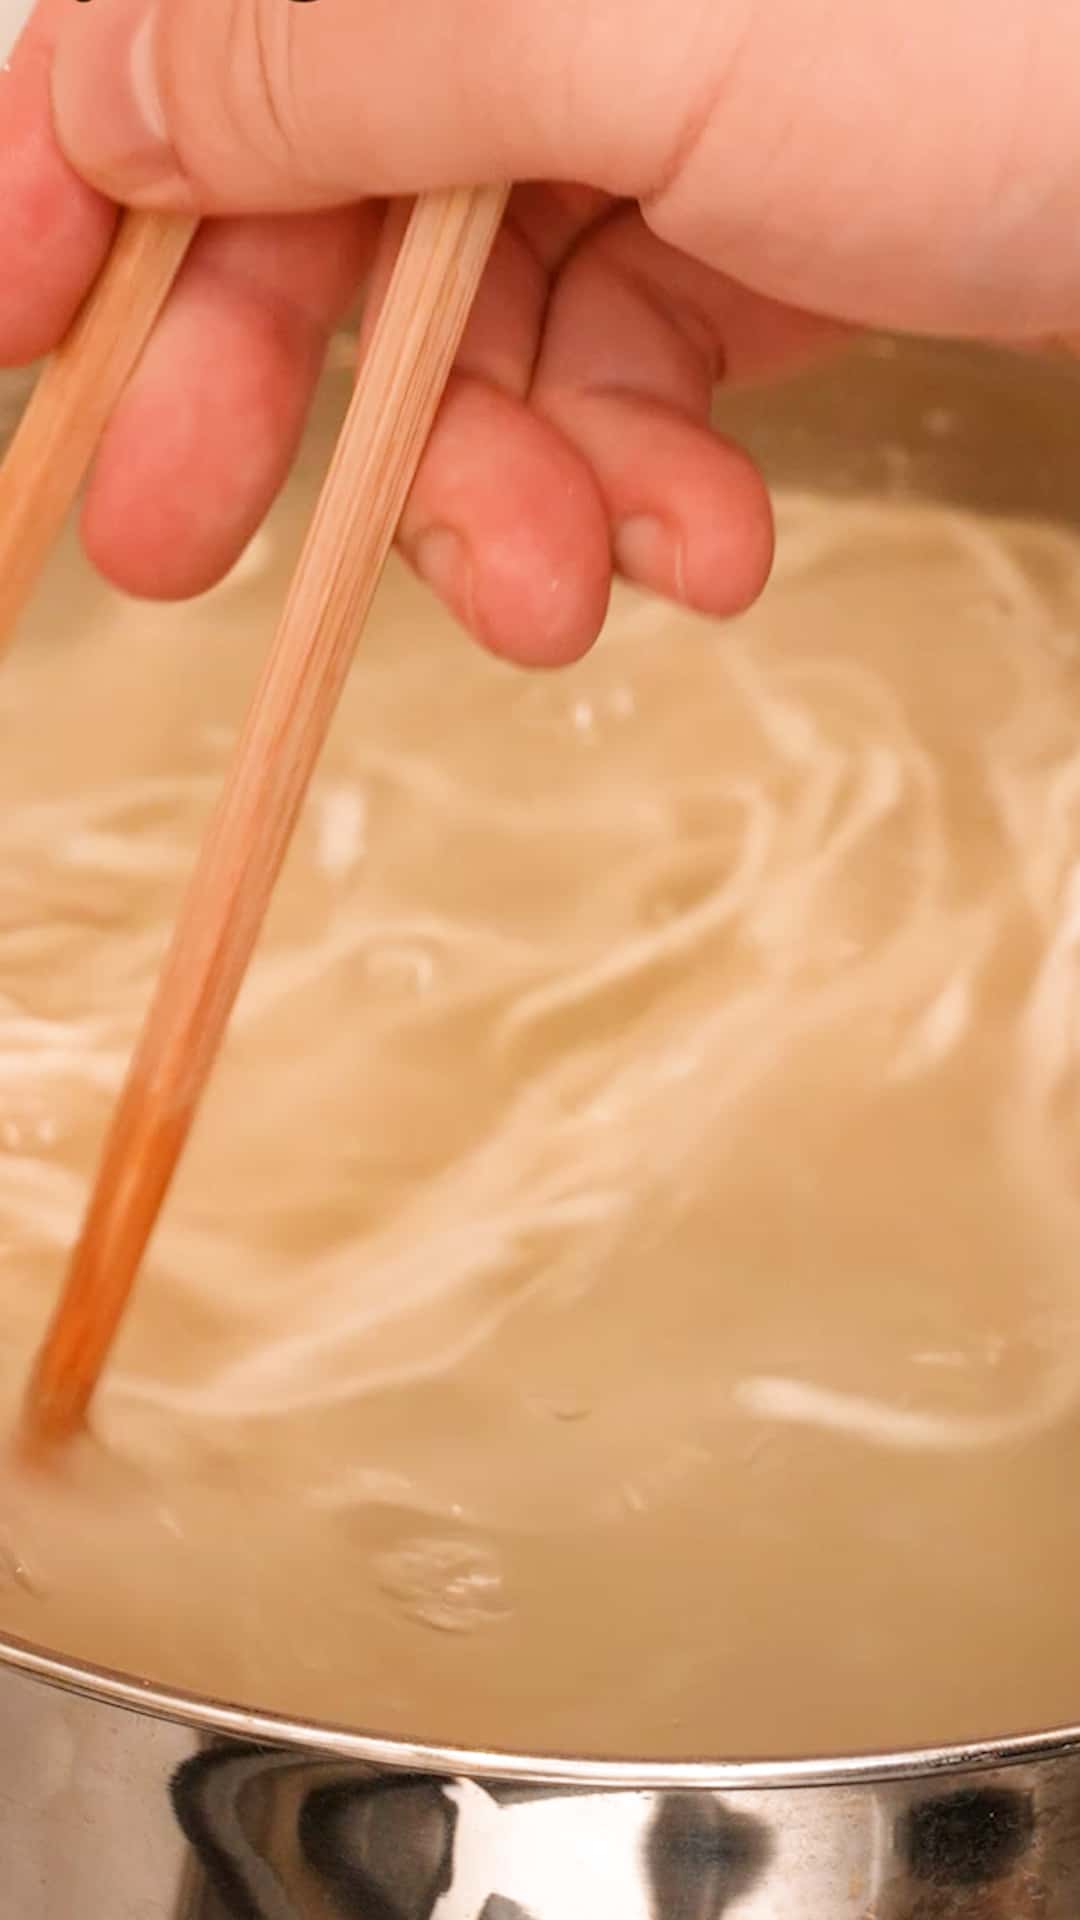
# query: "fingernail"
441,557
650,552
108,108
148,119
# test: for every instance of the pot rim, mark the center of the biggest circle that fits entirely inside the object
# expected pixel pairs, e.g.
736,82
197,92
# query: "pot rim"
223,1718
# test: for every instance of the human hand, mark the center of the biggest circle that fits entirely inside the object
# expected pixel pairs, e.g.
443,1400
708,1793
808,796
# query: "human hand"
747,167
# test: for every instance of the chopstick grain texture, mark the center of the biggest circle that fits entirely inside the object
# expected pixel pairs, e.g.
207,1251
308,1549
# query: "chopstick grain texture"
69,409
402,377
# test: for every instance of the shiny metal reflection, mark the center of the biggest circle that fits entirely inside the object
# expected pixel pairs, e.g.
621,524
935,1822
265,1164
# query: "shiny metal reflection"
113,1814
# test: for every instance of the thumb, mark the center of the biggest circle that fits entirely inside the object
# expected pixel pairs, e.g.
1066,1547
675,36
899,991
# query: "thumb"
274,105
911,168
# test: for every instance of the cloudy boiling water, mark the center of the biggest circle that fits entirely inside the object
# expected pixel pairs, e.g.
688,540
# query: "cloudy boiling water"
624,1291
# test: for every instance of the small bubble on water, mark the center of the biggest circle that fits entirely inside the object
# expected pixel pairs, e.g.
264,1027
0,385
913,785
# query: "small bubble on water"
588,717
455,1586
15,1569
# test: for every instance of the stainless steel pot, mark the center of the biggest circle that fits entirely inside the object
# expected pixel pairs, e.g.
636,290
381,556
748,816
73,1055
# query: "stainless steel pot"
121,1802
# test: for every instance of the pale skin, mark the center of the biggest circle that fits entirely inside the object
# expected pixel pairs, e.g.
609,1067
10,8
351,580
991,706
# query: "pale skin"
759,176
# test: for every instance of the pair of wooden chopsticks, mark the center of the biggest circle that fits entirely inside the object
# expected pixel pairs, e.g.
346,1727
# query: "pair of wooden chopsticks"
402,375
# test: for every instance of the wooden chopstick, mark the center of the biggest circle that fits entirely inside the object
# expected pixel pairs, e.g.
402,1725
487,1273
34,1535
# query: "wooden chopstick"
55,441
403,373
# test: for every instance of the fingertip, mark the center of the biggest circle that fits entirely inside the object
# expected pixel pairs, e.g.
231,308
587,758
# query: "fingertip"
544,613
518,602
690,513
506,523
194,454
141,558
205,434
729,549
715,563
